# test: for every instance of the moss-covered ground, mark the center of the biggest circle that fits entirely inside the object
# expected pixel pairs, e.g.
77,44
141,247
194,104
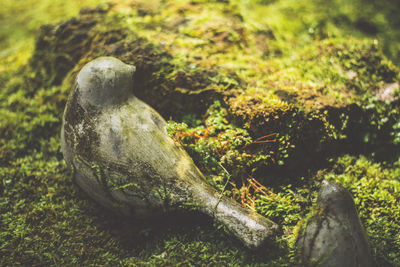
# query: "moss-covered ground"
269,97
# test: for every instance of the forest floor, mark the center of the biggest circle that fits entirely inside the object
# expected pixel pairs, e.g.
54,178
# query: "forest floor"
268,97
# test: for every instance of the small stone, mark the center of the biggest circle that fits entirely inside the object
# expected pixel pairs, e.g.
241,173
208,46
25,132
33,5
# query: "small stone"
388,91
334,236
351,74
122,156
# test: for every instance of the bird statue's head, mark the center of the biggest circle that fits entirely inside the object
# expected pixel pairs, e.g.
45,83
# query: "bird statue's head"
104,82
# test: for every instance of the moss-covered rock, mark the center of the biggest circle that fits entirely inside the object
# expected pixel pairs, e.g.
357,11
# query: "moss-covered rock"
334,235
184,63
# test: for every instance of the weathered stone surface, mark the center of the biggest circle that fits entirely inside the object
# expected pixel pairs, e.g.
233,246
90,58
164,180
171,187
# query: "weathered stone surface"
334,236
123,158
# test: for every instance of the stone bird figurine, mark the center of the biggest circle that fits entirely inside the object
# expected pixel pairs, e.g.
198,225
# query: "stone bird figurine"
334,236
122,156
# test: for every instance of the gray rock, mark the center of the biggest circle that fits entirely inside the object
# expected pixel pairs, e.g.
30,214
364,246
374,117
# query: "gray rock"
122,156
388,91
334,236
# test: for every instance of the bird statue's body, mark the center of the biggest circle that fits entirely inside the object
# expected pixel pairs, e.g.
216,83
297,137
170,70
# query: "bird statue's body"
122,156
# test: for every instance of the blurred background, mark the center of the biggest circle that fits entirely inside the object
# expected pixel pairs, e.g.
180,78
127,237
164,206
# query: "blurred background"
291,20
20,21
